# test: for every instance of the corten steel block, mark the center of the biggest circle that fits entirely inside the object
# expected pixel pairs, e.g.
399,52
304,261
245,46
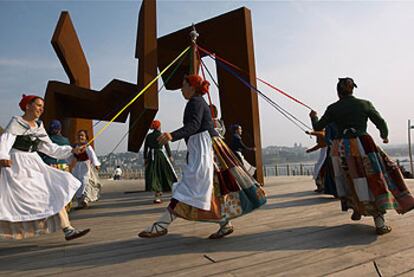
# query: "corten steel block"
145,108
88,103
230,36
69,51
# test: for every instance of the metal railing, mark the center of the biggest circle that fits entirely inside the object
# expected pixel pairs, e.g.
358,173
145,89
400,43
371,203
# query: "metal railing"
131,173
293,169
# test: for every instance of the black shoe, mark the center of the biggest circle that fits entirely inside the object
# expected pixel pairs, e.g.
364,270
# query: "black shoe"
356,216
75,233
383,230
222,232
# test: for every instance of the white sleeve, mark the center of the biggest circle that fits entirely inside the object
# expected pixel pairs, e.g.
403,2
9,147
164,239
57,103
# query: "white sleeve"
92,156
53,150
6,144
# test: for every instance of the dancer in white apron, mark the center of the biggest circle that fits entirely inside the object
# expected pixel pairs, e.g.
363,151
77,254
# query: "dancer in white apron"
86,171
213,188
33,195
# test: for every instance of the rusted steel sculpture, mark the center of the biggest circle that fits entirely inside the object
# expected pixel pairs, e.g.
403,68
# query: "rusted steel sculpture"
70,102
229,35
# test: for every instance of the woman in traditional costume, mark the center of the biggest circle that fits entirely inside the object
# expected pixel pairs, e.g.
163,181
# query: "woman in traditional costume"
159,172
238,146
367,180
55,135
218,123
323,171
33,195
213,188
86,170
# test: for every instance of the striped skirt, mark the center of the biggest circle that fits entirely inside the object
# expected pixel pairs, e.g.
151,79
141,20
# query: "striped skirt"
234,194
367,180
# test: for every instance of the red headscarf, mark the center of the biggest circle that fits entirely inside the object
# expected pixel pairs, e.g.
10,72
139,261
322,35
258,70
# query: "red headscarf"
196,81
26,99
156,124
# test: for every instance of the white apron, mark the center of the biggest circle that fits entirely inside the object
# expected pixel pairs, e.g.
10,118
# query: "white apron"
196,185
249,168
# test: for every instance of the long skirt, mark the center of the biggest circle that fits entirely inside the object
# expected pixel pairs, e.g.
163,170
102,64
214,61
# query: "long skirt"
319,163
159,172
64,167
324,173
233,191
31,196
91,186
367,180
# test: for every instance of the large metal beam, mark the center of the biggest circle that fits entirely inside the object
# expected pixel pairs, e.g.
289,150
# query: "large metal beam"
73,101
66,43
145,108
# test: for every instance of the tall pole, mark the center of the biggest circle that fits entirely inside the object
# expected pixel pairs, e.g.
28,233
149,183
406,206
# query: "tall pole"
195,63
409,147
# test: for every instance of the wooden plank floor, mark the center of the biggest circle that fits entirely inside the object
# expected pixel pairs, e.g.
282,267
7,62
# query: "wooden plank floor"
298,233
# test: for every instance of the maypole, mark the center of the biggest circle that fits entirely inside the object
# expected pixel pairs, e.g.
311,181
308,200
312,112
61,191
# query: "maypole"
194,55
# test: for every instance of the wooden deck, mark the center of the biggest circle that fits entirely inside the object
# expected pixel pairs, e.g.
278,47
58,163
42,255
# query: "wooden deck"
298,233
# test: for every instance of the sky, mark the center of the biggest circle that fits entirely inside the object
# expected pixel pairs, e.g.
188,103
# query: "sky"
301,47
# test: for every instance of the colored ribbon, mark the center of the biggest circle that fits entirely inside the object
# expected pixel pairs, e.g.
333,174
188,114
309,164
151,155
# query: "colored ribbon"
261,80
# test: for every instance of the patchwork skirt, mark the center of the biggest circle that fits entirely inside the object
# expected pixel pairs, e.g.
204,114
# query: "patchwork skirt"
366,179
234,192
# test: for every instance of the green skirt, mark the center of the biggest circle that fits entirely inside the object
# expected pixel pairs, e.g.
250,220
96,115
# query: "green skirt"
159,172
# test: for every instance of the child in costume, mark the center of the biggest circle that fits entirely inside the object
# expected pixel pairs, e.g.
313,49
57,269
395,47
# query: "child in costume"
86,170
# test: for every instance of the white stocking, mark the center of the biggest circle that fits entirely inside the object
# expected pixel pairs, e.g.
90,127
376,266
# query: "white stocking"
225,223
162,223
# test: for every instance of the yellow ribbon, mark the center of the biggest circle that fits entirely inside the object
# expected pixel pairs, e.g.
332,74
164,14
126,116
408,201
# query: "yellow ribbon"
138,95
